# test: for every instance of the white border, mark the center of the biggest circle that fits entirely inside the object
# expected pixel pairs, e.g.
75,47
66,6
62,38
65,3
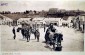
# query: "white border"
42,53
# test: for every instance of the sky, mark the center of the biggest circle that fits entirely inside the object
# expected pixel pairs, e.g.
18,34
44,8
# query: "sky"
20,6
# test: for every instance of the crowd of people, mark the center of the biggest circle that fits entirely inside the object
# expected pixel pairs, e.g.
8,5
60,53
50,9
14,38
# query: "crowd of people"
52,36
26,31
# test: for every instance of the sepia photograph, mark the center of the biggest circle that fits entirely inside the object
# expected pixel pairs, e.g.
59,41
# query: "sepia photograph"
47,26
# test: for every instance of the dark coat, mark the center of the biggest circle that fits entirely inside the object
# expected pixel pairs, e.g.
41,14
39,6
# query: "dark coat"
26,32
37,33
13,30
23,32
47,35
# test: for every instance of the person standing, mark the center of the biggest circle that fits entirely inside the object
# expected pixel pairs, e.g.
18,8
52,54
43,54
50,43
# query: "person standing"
37,35
22,32
27,33
14,33
44,27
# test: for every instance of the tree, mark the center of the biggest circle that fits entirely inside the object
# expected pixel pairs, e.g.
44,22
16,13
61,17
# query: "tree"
27,12
35,11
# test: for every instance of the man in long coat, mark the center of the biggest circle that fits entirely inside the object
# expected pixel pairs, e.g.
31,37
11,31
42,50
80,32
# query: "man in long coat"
14,32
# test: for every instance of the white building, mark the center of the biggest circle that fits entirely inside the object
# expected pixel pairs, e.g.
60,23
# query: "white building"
5,20
68,21
47,21
39,21
82,22
79,22
55,21
19,21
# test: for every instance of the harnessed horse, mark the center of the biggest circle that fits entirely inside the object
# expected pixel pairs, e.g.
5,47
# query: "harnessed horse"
25,31
53,38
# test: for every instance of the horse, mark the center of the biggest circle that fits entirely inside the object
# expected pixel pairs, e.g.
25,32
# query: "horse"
37,34
22,31
54,39
26,32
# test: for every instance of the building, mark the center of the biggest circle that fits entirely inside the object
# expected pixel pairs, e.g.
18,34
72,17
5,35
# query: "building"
55,21
39,21
79,22
19,21
5,20
82,22
69,20
42,20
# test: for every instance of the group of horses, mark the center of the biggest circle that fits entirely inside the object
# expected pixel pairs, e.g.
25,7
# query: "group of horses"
51,38
27,30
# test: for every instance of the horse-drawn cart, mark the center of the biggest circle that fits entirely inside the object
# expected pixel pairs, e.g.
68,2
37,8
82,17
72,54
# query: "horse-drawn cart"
54,38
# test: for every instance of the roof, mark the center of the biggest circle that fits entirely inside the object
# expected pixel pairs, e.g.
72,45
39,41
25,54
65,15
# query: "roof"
38,19
15,16
52,19
21,19
25,22
6,18
65,17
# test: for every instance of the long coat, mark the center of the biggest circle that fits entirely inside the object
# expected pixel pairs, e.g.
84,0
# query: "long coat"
23,32
37,33
13,30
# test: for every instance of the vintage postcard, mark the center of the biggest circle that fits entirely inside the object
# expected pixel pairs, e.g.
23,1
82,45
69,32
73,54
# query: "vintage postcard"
39,27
